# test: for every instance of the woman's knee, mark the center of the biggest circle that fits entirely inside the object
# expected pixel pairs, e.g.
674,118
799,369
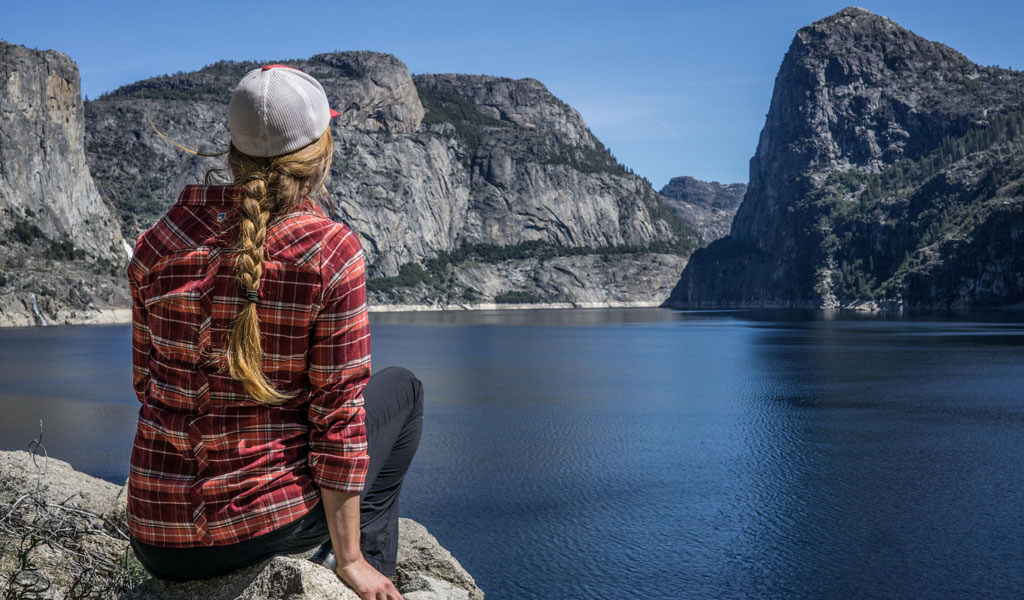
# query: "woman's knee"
400,378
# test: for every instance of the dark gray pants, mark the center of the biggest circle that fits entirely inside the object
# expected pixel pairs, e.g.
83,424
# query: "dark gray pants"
393,400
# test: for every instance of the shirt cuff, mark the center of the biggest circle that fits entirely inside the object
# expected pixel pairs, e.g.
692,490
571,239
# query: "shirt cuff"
346,474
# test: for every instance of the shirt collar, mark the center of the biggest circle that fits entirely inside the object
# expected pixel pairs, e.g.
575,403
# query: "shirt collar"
198,195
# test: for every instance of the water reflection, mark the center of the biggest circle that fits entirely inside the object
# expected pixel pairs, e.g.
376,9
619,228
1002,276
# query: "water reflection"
875,459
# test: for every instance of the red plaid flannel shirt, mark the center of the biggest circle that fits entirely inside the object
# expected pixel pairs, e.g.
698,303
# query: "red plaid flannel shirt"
210,466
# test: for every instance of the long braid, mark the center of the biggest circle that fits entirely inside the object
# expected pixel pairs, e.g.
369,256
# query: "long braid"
245,352
252,232
270,186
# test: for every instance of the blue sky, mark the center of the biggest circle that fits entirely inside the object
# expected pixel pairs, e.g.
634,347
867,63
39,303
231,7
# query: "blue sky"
672,88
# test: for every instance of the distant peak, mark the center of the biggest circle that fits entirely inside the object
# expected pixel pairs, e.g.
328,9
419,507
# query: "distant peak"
856,31
850,13
854,11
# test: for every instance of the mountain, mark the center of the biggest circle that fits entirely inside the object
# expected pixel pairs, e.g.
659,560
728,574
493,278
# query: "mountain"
61,250
463,188
889,173
707,206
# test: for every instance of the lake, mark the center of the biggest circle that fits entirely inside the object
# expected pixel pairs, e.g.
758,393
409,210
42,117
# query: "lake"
650,453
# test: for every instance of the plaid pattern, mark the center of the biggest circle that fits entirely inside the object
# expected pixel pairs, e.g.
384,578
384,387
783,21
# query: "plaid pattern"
210,466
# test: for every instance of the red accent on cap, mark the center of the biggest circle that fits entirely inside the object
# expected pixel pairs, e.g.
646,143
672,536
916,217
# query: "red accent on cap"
334,113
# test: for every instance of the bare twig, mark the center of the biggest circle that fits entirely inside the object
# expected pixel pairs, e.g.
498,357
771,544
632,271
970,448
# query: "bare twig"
33,447
34,530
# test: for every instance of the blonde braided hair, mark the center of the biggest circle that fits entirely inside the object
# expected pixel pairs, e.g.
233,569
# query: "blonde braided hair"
270,186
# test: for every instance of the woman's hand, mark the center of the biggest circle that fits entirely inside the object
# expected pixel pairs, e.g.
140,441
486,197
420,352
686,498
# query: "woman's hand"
367,581
342,510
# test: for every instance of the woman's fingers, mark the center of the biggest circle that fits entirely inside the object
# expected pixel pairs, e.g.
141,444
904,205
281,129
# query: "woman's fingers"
367,581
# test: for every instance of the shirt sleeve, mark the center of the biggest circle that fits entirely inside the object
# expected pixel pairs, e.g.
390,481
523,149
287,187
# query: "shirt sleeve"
339,369
140,335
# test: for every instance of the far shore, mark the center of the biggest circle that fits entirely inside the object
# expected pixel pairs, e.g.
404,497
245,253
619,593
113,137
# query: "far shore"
496,306
123,316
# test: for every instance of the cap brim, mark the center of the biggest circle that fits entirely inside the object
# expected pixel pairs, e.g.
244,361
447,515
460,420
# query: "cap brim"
335,113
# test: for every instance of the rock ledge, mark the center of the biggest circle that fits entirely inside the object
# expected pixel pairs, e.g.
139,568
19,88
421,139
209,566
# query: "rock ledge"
426,570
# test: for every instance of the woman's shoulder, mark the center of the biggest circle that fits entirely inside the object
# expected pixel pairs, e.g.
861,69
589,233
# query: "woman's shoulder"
182,226
341,249
310,237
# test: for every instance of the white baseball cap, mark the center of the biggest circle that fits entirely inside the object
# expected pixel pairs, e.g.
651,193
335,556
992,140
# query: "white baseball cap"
277,109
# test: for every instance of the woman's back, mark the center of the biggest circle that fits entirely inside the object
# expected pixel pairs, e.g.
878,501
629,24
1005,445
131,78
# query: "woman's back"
210,465
261,431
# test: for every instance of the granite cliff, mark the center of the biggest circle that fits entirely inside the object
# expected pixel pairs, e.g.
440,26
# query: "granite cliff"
464,189
61,250
708,206
889,173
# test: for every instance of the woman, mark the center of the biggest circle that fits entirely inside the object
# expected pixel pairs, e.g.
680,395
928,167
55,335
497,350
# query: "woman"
261,431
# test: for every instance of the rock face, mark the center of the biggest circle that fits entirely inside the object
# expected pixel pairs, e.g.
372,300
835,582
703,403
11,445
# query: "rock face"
433,171
426,571
61,249
284,577
888,173
594,279
708,206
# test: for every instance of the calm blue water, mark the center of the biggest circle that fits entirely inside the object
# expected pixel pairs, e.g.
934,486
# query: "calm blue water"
658,454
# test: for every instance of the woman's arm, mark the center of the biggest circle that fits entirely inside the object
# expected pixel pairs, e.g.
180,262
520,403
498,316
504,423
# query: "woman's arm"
342,511
338,370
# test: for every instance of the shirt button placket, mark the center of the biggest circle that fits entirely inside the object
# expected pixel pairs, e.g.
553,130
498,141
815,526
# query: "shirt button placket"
202,463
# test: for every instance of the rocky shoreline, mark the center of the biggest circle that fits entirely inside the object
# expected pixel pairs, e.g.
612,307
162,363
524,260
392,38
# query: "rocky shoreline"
493,306
112,316
123,316
63,535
